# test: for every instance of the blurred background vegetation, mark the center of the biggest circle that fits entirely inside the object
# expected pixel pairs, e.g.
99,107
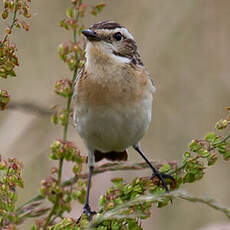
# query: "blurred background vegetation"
184,44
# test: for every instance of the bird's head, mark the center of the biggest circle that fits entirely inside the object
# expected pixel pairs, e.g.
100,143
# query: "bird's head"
112,40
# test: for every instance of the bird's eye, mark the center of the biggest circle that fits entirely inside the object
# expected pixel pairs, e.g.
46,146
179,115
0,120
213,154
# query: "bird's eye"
117,36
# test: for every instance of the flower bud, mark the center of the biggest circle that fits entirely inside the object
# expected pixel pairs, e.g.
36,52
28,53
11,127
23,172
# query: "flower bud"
8,30
64,87
5,13
4,99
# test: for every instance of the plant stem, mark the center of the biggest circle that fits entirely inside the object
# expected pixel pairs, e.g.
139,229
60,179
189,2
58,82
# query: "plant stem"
170,172
12,23
65,132
34,199
222,141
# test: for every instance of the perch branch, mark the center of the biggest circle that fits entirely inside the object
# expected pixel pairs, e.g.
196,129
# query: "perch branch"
98,170
117,212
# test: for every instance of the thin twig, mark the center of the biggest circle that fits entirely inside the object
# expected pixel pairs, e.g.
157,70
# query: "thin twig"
12,23
30,107
222,141
65,132
205,200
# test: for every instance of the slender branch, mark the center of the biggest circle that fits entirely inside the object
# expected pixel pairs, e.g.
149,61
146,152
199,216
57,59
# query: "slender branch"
53,209
172,171
222,141
30,107
205,200
12,23
75,29
98,170
118,211
33,200
114,167
65,131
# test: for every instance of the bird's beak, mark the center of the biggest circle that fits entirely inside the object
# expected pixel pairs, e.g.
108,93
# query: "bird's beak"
91,35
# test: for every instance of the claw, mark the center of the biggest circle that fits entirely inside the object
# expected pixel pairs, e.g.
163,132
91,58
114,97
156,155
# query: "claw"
164,176
161,177
88,212
156,173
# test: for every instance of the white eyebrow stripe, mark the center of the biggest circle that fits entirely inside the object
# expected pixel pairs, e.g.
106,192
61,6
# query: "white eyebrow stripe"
123,31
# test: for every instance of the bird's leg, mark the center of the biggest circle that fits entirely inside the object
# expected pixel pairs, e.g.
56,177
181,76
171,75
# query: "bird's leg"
86,208
156,173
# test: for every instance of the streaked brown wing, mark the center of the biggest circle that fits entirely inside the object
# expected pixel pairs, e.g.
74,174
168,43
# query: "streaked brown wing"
79,73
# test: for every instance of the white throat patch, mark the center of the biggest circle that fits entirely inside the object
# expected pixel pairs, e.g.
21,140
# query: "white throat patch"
120,59
108,52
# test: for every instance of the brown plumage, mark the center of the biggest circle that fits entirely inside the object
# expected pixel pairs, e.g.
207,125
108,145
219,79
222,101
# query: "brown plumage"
112,97
106,25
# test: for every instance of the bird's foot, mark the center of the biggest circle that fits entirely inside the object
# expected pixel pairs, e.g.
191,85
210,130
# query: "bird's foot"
162,177
88,212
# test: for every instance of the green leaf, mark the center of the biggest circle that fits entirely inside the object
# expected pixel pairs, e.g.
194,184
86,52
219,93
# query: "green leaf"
187,155
203,153
12,73
165,168
226,155
118,182
115,225
195,146
212,159
102,200
100,7
127,189
118,201
70,13
211,137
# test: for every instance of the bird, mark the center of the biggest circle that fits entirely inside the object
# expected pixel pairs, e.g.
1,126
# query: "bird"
112,98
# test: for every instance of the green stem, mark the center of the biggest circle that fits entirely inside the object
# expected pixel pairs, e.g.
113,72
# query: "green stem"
177,170
75,29
51,212
13,22
65,132
221,141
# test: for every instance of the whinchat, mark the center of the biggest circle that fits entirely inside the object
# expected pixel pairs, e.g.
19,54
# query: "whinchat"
112,97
